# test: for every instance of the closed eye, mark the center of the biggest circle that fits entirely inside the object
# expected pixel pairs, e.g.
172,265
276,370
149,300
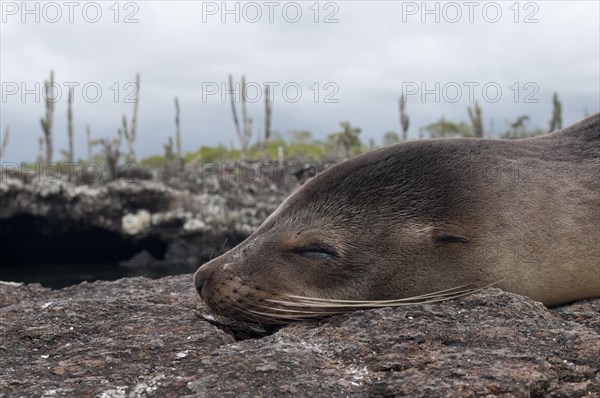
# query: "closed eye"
316,253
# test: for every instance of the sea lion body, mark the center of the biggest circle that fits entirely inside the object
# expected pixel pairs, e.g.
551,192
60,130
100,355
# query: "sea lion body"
425,216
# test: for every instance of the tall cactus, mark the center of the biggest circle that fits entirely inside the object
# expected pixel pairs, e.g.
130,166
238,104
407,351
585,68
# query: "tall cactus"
41,156
130,135
112,151
170,157
235,117
70,126
404,120
556,120
348,138
124,131
90,143
4,142
169,154
247,120
49,119
268,112
178,134
111,148
475,116
245,133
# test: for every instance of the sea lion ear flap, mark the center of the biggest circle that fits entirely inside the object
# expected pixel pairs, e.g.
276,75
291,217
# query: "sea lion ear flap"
445,236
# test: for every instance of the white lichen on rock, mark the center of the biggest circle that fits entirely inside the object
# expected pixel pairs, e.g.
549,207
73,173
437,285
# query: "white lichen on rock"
135,224
166,218
194,225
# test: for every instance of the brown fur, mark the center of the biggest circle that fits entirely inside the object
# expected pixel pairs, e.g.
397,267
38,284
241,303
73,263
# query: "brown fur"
424,216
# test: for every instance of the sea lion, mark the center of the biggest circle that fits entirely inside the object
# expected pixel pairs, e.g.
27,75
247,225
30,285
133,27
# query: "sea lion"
423,221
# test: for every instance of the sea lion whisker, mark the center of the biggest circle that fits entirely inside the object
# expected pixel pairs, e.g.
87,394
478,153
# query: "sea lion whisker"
448,293
224,243
308,303
375,304
337,308
287,313
262,318
389,303
278,318
434,300
450,297
436,293
371,305
290,317
292,311
238,306
409,299
221,311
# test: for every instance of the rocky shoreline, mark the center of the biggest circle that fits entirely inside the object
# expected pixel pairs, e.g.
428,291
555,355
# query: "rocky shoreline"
138,224
138,337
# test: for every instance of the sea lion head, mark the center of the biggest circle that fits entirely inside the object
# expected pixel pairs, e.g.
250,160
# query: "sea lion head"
371,228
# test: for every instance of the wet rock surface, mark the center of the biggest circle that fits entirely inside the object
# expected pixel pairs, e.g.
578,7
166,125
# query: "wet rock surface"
139,337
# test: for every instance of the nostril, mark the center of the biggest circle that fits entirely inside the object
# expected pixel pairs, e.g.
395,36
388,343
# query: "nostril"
199,279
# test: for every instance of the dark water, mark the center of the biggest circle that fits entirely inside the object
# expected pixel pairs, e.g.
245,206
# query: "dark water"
56,254
57,276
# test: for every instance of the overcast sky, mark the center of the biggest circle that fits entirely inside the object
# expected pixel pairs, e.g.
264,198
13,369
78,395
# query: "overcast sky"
351,64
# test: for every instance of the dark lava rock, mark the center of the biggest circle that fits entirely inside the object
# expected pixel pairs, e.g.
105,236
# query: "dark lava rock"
137,209
142,225
139,337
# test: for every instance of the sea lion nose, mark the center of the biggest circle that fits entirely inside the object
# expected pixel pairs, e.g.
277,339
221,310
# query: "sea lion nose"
199,279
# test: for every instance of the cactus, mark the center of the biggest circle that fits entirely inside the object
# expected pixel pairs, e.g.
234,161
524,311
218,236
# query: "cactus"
475,116
404,120
556,120
440,128
70,126
492,129
48,120
111,147
124,131
169,154
112,151
4,141
235,117
40,156
268,112
518,127
348,138
390,138
244,134
247,120
170,157
244,113
90,143
130,135
178,134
